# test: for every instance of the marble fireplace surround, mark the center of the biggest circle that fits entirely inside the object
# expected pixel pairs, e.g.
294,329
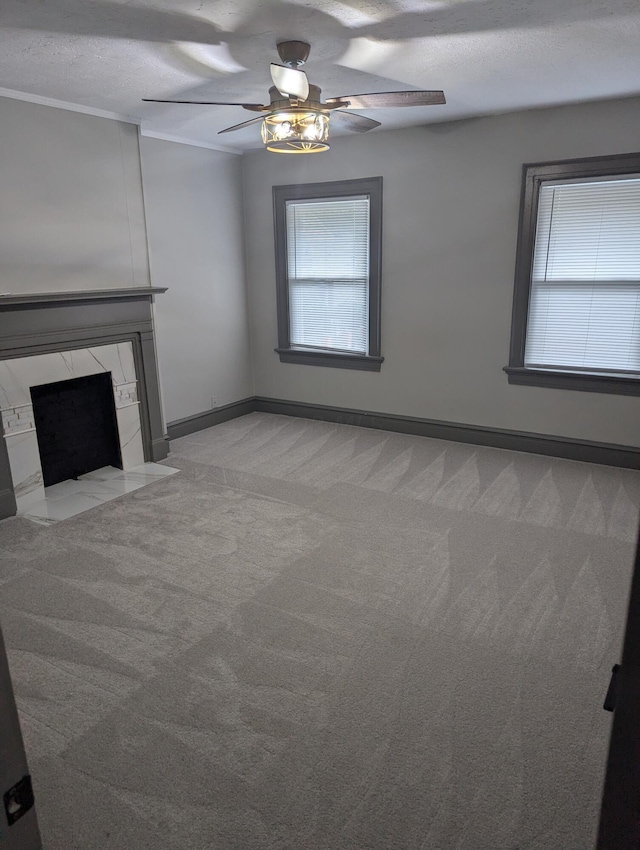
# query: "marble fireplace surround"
51,337
20,434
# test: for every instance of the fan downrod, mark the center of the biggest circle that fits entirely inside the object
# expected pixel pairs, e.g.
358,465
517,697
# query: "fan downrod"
293,53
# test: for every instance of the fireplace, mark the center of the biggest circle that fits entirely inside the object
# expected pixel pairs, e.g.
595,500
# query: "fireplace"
88,339
112,366
76,427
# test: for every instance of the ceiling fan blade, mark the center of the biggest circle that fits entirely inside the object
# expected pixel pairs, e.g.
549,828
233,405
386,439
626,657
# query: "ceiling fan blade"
358,123
240,126
290,82
252,107
388,98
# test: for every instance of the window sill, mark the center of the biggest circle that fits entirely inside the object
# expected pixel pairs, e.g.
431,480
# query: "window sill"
613,384
336,360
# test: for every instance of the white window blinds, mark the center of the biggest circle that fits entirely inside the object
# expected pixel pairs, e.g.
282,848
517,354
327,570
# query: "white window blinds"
328,273
584,309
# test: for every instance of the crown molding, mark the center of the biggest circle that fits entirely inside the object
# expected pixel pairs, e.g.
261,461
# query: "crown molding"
65,104
182,140
112,116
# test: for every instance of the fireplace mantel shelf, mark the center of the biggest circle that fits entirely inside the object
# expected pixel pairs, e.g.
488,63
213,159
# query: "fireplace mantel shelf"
43,298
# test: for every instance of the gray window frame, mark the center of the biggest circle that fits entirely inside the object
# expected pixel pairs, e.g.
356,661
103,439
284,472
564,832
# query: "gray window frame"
533,175
371,186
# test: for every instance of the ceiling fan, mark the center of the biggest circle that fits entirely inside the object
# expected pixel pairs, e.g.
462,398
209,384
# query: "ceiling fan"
296,120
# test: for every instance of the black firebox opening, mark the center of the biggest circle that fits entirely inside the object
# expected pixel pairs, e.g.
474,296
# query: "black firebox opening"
76,427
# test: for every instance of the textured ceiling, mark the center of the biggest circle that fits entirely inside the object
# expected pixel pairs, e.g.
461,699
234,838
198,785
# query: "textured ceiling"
487,55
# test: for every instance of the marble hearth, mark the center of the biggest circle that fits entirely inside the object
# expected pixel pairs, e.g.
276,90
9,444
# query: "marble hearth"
17,376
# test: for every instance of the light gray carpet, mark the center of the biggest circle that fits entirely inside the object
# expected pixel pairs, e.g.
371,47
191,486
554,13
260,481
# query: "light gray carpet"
320,636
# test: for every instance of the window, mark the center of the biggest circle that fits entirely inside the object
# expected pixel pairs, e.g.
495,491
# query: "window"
328,273
576,312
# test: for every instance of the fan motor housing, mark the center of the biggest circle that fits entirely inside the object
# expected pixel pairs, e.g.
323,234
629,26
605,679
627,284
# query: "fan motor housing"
293,53
277,101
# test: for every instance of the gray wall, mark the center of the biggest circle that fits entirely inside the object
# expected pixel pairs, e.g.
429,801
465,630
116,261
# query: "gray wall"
451,198
72,214
194,223
72,217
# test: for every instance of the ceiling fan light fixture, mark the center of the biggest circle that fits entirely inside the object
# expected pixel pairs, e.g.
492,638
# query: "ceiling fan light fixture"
296,131
296,120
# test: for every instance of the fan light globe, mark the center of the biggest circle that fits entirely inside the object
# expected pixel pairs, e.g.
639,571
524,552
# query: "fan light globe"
296,131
